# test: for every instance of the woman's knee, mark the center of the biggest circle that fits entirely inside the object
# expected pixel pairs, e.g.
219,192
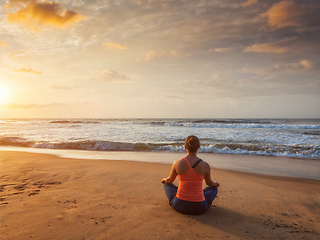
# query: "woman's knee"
210,194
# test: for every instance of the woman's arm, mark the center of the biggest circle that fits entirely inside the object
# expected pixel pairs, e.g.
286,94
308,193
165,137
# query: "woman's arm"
207,177
172,176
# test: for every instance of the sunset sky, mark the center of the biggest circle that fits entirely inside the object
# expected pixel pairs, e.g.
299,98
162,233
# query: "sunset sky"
160,58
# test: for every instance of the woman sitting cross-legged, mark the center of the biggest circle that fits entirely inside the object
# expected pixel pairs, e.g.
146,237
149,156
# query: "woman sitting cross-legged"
189,197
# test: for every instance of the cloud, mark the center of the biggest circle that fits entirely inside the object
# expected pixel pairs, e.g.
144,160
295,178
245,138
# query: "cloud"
302,66
220,84
30,70
111,76
114,45
275,47
2,44
18,105
157,54
248,2
32,105
258,71
284,14
54,86
221,49
35,15
224,86
221,80
174,54
307,64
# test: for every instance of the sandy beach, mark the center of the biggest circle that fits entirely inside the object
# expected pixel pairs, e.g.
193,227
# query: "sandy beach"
48,197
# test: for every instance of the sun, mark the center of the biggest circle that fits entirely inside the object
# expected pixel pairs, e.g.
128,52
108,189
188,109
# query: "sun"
4,94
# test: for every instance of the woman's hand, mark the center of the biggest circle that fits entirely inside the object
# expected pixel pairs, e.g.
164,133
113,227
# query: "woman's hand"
216,184
164,180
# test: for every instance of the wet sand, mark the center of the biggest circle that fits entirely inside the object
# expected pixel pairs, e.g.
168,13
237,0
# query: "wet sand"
48,197
265,165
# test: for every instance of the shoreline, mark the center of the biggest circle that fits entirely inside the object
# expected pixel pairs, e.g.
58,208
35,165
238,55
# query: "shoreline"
264,165
48,197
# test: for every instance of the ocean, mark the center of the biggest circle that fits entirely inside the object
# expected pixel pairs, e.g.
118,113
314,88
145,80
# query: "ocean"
293,138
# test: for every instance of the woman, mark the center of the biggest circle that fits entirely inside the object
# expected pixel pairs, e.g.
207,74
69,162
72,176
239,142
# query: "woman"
189,197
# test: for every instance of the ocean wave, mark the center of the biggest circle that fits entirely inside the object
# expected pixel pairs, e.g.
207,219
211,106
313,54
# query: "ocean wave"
315,133
226,148
158,123
228,123
232,121
77,145
15,141
244,125
310,124
73,121
264,150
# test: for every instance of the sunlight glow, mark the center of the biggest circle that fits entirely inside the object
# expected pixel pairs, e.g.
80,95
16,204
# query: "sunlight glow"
4,94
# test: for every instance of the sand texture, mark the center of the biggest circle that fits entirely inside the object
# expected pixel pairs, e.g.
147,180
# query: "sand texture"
47,197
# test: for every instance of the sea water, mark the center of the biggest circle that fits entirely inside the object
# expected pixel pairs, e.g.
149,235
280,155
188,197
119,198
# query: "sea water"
264,137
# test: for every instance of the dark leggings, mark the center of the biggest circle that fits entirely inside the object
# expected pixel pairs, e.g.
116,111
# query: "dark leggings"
187,207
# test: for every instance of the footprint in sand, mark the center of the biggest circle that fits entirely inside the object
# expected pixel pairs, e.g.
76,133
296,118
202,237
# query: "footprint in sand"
35,192
21,187
53,183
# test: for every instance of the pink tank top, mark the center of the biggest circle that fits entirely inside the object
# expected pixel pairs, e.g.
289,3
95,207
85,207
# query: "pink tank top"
190,185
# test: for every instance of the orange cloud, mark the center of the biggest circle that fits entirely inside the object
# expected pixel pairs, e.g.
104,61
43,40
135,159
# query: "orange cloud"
249,2
221,49
302,66
283,14
28,71
114,45
2,44
307,64
111,76
156,54
35,14
267,48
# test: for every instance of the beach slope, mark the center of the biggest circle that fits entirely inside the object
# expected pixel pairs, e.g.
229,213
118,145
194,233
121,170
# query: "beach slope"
47,197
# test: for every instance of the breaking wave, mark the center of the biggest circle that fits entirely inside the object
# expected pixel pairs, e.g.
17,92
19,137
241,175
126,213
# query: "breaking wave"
261,149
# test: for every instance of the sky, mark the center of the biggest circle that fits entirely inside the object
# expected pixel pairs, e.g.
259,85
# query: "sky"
160,59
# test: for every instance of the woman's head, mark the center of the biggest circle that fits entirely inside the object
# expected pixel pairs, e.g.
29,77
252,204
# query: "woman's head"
192,144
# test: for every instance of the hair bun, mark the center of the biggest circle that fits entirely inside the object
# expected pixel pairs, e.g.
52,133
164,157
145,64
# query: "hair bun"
192,143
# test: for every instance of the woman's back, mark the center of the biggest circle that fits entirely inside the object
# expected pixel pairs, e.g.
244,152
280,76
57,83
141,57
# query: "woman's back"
182,166
190,182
